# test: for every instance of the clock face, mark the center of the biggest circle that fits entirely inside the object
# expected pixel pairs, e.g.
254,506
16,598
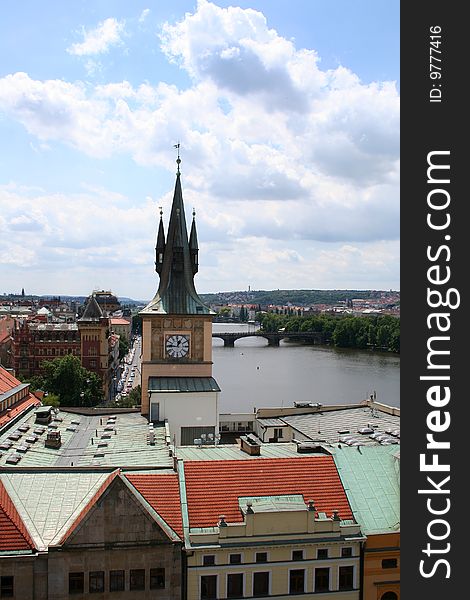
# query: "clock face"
177,346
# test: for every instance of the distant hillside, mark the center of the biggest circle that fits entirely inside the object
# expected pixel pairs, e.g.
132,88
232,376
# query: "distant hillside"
80,299
295,297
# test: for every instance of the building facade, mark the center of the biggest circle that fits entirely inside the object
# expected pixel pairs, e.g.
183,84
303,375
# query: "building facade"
121,327
107,542
99,348
35,342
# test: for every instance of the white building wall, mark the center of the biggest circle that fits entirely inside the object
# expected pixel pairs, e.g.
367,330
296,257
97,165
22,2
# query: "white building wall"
192,409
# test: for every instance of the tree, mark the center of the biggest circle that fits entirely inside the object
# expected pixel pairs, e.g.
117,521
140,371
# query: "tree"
123,347
137,325
75,386
134,396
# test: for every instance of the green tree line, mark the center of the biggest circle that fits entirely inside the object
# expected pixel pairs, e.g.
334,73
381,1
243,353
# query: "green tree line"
380,332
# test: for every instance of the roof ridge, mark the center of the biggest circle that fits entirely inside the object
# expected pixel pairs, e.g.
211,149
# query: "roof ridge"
8,508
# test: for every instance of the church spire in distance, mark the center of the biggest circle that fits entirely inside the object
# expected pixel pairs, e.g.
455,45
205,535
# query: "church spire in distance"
177,261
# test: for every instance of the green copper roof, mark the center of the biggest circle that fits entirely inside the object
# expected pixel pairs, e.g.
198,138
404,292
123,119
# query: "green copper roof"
183,384
369,476
48,502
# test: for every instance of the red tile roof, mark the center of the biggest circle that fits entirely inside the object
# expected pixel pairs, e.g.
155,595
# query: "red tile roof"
7,383
18,408
13,532
163,494
119,321
213,487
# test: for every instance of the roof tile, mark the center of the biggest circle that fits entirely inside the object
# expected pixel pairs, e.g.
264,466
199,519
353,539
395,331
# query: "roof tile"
13,533
163,495
213,487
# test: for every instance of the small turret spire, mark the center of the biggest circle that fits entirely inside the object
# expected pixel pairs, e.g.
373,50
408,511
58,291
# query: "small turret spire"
193,245
160,247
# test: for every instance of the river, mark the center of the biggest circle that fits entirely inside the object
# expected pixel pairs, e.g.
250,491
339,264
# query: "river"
252,374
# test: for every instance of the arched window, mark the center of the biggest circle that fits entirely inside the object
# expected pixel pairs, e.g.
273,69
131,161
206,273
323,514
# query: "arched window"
389,596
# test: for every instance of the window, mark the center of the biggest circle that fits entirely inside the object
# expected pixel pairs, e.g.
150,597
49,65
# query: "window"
389,563
260,584
6,586
208,587
322,553
235,559
278,433
296,581
76,583
116,581
96,582
137,579
346,552
208,560
346,578
322,579
389,596
261,557
297,554
157,579
235,585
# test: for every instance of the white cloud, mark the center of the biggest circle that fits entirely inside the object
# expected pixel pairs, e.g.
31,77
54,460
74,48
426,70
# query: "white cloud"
100,39
275,150
144,14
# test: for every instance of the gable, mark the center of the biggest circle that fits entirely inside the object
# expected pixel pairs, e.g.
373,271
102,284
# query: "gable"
116,517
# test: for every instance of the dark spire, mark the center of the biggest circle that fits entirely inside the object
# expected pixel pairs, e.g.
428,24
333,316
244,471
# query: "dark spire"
193,245
176,293
160,247
92,310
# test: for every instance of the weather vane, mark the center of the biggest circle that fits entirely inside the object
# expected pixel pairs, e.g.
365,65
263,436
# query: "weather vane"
178,160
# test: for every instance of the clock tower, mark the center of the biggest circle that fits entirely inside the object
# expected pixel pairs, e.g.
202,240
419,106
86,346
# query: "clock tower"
177,382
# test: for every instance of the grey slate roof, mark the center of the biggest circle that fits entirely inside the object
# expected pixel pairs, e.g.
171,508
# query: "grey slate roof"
92,311
329,426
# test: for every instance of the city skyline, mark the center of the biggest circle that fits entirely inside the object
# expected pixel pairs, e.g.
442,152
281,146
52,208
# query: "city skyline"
289,131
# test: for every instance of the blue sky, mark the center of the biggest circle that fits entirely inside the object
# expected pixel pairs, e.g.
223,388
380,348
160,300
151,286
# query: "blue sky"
288,118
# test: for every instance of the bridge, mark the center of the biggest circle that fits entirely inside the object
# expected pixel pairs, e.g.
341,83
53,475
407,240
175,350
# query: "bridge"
312,337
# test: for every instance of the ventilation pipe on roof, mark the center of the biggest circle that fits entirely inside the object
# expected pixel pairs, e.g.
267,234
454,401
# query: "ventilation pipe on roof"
311,505
335,516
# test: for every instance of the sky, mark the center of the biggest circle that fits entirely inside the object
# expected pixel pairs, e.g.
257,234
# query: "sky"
287,115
